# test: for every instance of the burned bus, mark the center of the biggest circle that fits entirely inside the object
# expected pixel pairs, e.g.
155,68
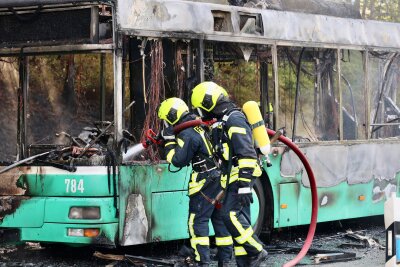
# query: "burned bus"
80,81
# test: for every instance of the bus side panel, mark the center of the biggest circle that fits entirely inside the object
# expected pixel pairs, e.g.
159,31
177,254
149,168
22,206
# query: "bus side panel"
339,202
140,185
276,180
336,202
171,213
129,177
288,204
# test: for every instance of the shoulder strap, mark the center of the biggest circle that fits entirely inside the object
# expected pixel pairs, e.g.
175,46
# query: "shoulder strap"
226,116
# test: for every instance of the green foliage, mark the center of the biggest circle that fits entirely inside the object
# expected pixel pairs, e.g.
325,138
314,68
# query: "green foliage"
386,10
240,79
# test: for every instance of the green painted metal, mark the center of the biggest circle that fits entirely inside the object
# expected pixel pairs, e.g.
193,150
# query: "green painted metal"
165,199
57,209
165,202
170,220
288,204
335,203
164,180
30,213
57,232
170,215
68,184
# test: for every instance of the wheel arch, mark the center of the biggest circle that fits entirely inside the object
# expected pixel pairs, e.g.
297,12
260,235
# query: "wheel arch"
268,214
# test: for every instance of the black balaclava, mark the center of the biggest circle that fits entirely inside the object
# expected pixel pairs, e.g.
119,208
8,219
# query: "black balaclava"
223,106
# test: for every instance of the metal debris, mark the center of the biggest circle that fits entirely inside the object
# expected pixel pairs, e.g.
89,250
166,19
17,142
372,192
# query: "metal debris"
33,246
139,261
367,240
7,249
108,256
334,257
352,245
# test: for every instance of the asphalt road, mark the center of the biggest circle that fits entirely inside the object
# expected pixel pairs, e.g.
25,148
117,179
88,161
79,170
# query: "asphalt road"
333,237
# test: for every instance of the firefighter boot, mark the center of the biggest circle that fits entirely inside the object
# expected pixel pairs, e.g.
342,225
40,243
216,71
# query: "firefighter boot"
255,261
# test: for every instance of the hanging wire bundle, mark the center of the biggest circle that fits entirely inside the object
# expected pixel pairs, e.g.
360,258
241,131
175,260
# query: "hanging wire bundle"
154,94
180,72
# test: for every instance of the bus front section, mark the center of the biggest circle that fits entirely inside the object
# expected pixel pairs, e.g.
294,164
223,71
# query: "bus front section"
58,180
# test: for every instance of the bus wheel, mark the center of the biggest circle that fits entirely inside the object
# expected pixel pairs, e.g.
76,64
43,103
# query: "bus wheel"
259,191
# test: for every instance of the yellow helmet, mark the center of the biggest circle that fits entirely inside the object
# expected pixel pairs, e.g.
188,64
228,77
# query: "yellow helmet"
172,109
206,94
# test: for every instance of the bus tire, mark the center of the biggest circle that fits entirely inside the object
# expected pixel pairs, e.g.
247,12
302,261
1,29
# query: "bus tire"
259,190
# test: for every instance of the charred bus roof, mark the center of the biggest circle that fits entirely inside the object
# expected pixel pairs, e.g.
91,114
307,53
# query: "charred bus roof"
77,22
186,19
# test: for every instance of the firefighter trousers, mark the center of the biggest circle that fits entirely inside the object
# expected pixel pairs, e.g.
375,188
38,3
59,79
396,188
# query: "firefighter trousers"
200,213
237,220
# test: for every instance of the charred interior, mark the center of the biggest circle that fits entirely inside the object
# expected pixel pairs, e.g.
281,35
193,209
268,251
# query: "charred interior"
66,77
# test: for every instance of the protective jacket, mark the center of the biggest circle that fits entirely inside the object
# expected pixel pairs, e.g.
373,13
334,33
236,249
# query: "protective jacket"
192,146
233,132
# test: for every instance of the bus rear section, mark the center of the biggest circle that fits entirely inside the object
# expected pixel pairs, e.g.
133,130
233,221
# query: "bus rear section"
48,204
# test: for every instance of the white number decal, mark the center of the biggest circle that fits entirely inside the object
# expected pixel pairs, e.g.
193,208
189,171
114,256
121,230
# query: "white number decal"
80,186
72,187
67,181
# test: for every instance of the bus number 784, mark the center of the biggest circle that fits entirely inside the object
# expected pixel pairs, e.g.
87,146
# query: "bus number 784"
72,185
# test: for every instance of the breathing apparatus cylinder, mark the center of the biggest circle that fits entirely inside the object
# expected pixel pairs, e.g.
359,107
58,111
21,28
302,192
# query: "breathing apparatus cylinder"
260,135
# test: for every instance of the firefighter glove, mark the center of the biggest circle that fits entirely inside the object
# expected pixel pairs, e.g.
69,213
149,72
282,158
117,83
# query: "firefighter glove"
245,195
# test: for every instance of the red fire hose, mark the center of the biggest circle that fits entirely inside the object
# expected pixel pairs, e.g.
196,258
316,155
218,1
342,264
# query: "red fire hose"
313,185
314,198
192,123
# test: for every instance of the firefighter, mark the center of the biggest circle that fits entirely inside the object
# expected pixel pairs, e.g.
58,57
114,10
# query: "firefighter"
232,141
192,145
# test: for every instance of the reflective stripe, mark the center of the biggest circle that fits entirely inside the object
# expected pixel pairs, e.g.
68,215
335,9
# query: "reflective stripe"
170,143
216,125
235,222
234,129
206,144
255,244
170,155
200,131
203,241
247,163
223,241
244,236
180,142
234,175
190,224
247,180
225,153
240,251
257,171
250,163
195,187
223,181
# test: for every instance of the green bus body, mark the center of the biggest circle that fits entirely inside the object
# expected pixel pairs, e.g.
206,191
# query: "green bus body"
151,203
143,202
